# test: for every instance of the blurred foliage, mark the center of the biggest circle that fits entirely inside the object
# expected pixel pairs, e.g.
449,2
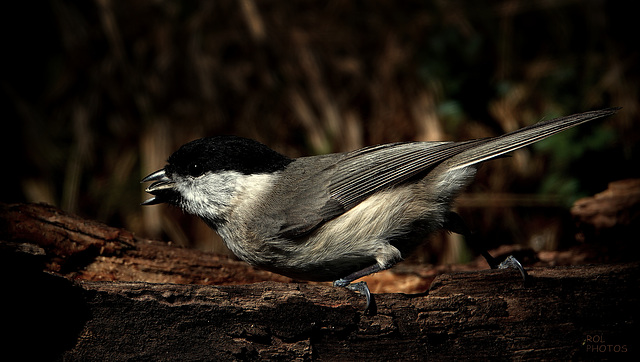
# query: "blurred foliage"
98,93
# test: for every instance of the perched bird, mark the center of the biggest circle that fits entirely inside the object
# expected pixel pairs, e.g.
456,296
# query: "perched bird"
335,217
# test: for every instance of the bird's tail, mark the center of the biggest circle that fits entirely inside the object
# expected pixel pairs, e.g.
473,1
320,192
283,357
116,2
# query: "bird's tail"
493,147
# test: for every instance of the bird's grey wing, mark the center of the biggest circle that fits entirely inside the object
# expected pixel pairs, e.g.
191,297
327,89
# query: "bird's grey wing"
368,170
301,201
371,169
340,182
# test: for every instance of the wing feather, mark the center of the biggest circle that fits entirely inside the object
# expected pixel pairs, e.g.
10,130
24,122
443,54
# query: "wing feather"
338,182
371,169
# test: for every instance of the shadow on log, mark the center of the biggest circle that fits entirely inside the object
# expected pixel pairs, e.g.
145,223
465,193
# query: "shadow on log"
573,312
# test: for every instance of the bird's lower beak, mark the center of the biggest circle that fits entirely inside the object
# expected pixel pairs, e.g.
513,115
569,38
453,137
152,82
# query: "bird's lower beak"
162,188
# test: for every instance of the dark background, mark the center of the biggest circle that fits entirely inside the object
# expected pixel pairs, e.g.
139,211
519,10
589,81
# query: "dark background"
97,94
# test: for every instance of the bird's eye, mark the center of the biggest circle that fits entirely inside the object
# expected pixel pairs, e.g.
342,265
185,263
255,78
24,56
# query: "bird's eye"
195,169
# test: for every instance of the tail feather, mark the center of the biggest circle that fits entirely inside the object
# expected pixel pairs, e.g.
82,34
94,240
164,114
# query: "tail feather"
496,146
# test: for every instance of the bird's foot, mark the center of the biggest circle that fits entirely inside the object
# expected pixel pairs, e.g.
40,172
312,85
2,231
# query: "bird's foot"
512,262
360,287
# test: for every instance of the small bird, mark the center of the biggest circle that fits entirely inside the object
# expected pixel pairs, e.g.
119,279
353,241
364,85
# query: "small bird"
335,217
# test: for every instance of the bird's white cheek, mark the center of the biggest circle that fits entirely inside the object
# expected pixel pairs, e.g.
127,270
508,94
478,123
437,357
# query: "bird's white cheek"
208,196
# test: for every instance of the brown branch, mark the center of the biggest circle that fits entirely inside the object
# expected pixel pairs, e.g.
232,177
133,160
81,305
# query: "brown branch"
82,249
564,312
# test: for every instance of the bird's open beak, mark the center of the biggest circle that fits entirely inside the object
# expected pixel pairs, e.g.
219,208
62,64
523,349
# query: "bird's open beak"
162,188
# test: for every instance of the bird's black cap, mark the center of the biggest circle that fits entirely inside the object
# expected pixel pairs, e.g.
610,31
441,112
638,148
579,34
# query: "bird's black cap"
225,153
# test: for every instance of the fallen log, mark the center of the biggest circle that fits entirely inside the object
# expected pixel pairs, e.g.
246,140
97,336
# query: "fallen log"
570,312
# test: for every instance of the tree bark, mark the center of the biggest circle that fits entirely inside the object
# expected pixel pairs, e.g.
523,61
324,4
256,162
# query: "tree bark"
65,312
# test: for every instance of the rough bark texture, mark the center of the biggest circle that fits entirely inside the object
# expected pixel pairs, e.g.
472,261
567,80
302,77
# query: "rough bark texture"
613,214
572,312
84,249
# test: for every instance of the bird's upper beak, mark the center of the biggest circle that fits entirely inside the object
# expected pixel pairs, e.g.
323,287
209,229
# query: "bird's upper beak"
162,188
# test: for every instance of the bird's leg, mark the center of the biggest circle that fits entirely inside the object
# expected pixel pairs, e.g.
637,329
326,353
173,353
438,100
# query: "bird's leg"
360,287
455,224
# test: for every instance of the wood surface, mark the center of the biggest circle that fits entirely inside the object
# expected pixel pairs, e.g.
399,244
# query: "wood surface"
71,284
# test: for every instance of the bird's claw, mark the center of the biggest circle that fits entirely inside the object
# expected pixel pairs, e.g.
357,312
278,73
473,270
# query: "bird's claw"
360,287
512,262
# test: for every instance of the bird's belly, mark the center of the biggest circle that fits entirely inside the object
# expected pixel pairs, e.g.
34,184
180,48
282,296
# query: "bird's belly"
371,233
